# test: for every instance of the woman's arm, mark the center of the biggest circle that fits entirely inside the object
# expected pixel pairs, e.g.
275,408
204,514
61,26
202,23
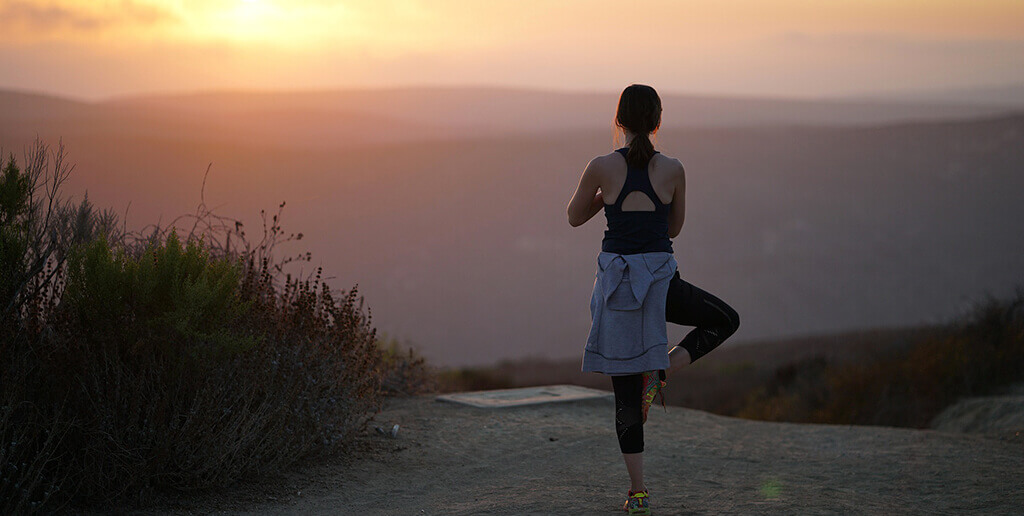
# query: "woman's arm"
678,213
587,200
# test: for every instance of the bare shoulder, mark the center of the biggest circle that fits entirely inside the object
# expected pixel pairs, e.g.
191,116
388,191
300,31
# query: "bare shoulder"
671,166
606,161
602,165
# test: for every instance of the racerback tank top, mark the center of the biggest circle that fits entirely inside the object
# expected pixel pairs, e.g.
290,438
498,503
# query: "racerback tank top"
632,232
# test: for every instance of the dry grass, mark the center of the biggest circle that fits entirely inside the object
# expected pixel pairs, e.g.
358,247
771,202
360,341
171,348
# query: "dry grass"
979,354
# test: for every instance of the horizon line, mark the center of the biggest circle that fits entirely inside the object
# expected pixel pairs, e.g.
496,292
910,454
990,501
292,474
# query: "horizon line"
899,95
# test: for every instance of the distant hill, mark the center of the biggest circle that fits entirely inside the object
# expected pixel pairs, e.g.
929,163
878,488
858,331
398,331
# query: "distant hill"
456,234
355,117
1009,96
35,107
520,110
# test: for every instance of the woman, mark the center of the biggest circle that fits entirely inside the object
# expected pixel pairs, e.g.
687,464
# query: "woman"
637,280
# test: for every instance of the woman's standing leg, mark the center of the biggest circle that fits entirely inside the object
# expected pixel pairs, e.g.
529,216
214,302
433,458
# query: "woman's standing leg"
713,319
629,426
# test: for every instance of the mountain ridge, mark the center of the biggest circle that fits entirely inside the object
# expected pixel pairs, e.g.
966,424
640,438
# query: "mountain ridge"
521,110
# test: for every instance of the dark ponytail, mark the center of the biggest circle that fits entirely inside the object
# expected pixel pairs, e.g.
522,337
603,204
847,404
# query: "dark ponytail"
639,112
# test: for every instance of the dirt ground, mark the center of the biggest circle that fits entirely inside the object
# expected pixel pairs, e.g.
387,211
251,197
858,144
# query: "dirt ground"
563,459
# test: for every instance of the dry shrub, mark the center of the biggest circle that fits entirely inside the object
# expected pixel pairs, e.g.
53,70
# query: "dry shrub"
136,363
791,395
979,354
405,372
472,379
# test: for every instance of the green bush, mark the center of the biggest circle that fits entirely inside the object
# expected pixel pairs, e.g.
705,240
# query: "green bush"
169,297
131,364
14,230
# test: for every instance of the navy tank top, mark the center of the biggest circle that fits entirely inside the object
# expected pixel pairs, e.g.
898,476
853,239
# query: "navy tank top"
633,232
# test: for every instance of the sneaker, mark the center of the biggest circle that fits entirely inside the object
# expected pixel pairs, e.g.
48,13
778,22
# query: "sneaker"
653,383
636,503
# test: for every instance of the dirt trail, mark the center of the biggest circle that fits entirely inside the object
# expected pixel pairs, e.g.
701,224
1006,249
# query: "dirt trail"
563,459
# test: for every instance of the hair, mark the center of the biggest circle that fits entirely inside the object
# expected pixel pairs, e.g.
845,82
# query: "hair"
639,112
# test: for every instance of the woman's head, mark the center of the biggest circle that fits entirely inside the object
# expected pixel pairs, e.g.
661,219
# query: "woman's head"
639,113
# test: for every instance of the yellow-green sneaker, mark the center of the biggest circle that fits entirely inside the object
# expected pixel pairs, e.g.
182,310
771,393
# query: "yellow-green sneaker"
637,503
652,389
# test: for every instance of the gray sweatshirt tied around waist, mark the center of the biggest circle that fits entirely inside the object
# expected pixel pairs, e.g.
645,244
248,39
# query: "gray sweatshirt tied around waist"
628,333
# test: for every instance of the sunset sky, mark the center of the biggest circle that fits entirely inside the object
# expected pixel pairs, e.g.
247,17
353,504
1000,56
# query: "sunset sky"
98,48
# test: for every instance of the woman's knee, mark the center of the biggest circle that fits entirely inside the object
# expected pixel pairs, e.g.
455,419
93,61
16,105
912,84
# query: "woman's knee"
729,321
734,320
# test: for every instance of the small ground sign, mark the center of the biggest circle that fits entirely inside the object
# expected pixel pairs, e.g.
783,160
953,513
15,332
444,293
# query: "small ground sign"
524,396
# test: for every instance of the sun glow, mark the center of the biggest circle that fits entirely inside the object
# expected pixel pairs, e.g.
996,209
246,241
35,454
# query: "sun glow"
267,24
250,21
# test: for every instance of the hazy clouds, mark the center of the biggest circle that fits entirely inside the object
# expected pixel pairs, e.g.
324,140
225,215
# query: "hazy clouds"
27,20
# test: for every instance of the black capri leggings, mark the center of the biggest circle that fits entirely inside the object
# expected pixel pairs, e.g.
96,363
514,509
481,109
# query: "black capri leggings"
713,321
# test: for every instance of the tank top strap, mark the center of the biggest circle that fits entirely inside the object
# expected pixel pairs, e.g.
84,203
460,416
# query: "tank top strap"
637,179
